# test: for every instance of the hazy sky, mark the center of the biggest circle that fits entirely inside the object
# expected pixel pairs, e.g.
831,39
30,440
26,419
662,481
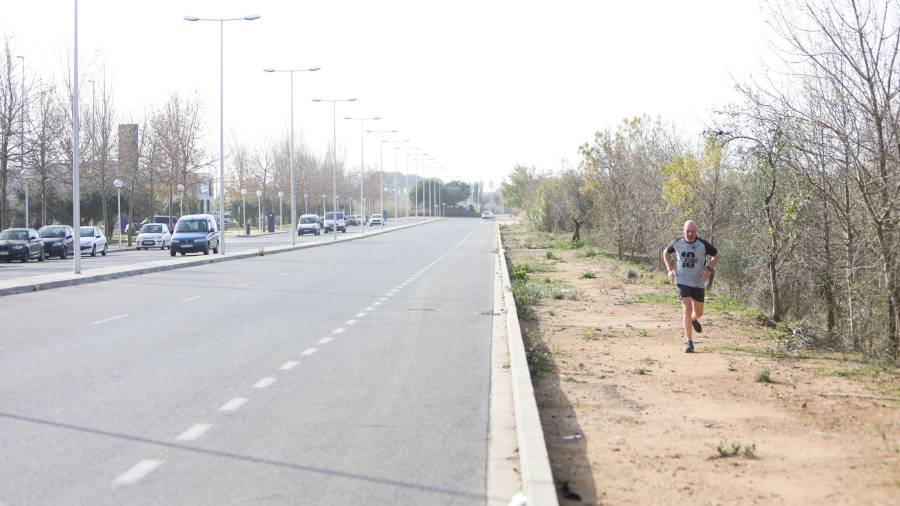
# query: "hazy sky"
479,85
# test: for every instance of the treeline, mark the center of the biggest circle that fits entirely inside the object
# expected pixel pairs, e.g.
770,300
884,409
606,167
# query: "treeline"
798,184
168,150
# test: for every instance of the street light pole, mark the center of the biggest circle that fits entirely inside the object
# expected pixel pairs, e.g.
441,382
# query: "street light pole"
305,203
362,148
118,183
244,208
381,169
221,22
281,212
22,139
396,188
26,173
291,154
76,155
259,213
334,102
180,189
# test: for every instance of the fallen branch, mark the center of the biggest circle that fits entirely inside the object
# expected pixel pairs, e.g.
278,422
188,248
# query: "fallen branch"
860,396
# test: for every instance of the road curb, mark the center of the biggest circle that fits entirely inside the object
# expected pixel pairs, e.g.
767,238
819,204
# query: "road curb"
534,462
37,284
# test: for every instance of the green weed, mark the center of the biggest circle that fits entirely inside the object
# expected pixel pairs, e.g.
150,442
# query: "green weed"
726,450
764,375
587,275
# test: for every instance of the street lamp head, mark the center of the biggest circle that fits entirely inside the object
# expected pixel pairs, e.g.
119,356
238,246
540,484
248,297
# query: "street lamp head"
280,194
351,99
243,191
252,17
313,69
317,100
118,183
180,187
191,18
259,193
268,70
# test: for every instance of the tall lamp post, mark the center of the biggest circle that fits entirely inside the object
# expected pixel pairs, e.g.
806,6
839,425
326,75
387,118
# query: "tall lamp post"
334,102
396,187
281,212
362,148
26,174
259,212
76,154
180,190
118,183
244,208
305,203
323,207
221,22
381,168
406,177
291,154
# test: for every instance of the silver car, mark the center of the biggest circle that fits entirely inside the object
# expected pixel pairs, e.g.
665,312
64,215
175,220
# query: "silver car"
154,235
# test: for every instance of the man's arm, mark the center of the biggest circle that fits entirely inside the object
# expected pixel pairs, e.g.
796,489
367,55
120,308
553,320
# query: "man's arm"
670,271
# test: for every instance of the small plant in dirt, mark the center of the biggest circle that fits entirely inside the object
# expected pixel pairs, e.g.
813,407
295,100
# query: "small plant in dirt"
732,367
764,375
550,255
727,450
587,275
631,275
641,371
588,334
520,273
568,244
642,333
538,362
589,253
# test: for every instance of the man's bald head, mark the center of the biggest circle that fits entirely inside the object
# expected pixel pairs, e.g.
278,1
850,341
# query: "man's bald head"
690,231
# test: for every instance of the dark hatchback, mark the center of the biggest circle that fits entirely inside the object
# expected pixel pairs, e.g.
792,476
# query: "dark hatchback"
21,244
58,240
195,232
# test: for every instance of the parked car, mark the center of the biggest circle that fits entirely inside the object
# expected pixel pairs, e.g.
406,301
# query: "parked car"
93,240
487,215
21,244
195,232
354,219
154,235
309,224
335,221
59,240
376,219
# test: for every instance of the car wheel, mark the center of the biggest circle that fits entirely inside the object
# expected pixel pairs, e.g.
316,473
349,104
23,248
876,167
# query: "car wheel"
62,256
41,256
216,249
25,258
206,250
105,247
94,251
172,251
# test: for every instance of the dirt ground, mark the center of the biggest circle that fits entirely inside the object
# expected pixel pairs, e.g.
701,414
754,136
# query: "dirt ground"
630,419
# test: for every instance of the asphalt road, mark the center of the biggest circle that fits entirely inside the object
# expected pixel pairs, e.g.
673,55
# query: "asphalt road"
351,374
115,256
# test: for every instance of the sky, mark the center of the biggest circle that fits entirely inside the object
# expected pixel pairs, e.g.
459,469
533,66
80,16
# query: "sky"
477,85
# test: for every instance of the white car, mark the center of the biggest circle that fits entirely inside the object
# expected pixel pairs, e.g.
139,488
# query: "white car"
93,240
375,219
487,215
309,224
154,235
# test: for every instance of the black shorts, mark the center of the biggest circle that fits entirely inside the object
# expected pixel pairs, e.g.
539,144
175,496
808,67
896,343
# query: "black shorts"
691,291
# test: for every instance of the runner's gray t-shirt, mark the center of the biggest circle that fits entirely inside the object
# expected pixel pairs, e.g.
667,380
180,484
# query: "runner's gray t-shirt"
690,260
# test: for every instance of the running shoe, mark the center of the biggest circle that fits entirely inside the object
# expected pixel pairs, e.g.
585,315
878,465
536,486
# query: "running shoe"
697,327
690,347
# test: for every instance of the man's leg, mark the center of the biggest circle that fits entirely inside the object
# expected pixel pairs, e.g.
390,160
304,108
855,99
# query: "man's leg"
687,305
698,312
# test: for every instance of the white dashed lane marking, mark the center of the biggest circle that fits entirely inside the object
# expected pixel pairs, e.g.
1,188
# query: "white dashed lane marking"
195,297
349,322
287,366
98,322
265,382
194,432
370,308
136,472
325,340
242,285
234,404
308,351
282,274
376,303
339,330
360,315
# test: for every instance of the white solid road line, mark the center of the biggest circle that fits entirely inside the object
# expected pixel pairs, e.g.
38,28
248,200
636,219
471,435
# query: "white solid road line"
265,382
137,471
349,322
234,404
360,315
98,322
339,330
195,297
287,366
242,285
194,432
325,340
308,351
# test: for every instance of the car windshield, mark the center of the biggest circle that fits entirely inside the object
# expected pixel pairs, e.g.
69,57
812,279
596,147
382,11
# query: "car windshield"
52,232
308,219
191,226
151,229
330,216
86,231
376,216
14,235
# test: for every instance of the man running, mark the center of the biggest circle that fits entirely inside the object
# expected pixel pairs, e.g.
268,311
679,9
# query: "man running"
691,275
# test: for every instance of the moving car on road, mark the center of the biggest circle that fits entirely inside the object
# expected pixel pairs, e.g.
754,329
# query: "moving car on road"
335,221
58,240
487,215
376,219
154,235
21,244
309,224
93,240
195,232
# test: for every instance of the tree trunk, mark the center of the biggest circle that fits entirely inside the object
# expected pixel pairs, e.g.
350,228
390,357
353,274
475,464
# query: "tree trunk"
576,236
773,288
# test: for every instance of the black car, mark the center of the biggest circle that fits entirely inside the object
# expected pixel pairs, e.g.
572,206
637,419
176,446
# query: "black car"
21,244
58,240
